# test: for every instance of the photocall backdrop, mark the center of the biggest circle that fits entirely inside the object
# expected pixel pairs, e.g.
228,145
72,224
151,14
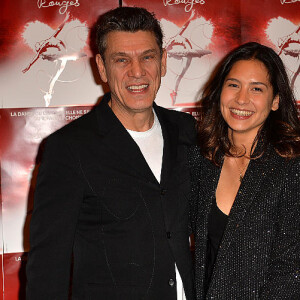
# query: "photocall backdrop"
49,78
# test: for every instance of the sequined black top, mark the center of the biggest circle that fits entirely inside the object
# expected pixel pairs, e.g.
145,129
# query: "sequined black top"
259,256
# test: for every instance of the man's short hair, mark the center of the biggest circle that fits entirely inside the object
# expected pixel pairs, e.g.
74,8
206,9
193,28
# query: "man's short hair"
128,19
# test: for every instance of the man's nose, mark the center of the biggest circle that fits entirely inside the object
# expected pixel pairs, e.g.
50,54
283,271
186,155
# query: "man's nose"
136,69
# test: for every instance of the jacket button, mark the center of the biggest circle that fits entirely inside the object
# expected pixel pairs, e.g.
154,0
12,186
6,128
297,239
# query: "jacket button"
171,282
163,192
168,235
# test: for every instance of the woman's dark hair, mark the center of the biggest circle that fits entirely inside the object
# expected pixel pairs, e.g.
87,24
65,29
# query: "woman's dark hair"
282,127
129,19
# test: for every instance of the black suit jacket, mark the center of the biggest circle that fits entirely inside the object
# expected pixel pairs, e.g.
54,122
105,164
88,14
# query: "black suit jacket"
96,198
259,255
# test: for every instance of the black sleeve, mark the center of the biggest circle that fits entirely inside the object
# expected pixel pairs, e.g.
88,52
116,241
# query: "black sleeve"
283,281
57,201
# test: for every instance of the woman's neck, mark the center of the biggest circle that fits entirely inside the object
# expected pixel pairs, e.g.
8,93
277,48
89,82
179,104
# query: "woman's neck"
242,143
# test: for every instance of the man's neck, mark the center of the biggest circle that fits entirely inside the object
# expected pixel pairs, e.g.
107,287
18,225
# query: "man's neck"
136,121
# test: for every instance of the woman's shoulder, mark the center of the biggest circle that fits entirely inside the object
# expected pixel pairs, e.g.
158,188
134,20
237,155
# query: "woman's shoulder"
284,169
296,161
290,163
197,160
294,166
194,150
194,155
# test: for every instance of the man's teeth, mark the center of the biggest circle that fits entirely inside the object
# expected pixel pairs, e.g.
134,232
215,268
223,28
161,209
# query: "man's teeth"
242,113
137,87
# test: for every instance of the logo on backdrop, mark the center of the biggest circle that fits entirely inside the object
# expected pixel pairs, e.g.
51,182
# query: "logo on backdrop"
58,46
288,1
285,35
188,54
63,5
188,4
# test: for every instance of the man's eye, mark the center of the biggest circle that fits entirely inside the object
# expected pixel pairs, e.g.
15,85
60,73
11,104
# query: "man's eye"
148,57
121,60
257,89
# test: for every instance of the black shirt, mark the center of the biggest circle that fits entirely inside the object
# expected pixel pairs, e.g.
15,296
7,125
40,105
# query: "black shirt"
217,221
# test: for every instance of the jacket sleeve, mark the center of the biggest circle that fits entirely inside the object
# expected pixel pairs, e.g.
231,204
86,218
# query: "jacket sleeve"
283,281
58,196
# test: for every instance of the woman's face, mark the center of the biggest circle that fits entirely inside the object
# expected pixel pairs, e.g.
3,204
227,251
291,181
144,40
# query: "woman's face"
247,98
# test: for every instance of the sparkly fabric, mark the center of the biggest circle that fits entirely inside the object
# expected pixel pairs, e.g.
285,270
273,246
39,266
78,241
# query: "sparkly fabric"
259,255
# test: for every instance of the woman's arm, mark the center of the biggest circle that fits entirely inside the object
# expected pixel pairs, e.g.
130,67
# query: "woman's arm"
283,278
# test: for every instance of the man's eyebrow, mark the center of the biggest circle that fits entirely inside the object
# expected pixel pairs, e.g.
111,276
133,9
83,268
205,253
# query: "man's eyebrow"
148,51
119,54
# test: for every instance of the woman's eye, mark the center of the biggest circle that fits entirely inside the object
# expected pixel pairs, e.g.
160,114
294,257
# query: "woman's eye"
233,85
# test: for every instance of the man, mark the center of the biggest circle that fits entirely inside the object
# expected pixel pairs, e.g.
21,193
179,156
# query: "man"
112,187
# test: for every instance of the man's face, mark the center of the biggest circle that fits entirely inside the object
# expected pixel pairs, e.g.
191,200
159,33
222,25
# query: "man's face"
133,69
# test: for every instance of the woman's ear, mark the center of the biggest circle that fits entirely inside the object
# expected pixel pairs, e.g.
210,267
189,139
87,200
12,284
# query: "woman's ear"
275,103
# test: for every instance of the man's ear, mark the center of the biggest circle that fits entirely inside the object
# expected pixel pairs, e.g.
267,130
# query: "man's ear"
275,103
101,68
164,63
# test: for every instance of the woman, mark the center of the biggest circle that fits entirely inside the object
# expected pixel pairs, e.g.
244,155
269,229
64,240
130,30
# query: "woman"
245,181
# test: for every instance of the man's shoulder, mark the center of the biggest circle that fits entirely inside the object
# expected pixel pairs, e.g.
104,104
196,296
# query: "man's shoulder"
79,127
176,115
181,121
88,122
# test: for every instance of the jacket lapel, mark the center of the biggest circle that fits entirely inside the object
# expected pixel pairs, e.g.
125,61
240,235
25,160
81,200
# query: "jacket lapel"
251,184
170,137
123,148
257,172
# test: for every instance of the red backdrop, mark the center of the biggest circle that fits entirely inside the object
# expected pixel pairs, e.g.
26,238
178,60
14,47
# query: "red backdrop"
48,78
